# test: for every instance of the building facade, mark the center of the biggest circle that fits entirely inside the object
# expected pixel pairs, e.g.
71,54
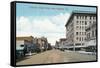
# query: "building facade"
24,45
91,37
76,29
61,44
27,41
42,43
57,44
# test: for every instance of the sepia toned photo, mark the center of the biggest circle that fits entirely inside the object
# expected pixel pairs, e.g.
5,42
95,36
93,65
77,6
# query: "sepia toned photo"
52,33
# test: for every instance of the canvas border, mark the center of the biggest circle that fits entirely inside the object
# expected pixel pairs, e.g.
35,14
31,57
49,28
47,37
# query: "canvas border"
13,32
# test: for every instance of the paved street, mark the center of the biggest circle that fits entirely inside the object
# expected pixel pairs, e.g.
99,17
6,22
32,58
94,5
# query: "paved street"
56,56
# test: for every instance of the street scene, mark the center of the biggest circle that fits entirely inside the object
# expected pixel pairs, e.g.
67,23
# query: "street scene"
55,34
56,56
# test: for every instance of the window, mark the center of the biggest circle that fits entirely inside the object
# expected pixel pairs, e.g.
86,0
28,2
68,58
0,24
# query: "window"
80,27
85,22
90,17
85,17
77,22
82,43
76,33
72,40
85,33
77,44
77,38
94,17
80,33
80,38
92,33
77,17
90,22
82,22
77,27
82,17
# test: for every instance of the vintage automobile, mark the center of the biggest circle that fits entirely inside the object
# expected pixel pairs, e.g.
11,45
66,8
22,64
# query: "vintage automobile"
19,51
25,50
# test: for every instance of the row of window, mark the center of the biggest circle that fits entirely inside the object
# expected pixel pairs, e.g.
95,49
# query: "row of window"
80,33
77,44
80,38
81,22
85,17
84,22
81,27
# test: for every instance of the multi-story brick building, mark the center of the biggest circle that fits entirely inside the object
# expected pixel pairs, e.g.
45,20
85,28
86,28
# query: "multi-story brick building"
75,28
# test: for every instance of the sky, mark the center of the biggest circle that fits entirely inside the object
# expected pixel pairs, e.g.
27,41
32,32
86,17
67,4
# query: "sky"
40,20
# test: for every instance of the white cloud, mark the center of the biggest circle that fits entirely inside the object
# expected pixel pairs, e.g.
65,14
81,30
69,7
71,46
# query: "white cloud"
23,24
44,25
53,27
60,19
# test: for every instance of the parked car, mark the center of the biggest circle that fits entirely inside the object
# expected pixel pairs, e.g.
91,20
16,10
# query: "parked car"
19,51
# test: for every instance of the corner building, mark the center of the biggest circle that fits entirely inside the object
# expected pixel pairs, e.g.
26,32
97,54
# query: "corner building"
76,29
